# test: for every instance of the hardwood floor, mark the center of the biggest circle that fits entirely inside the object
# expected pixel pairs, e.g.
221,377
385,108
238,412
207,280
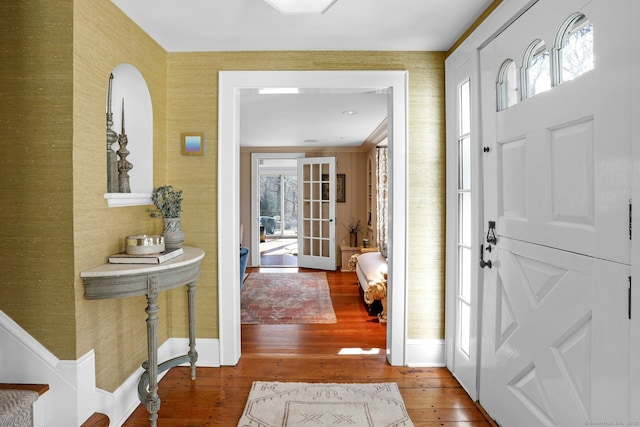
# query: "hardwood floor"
351,350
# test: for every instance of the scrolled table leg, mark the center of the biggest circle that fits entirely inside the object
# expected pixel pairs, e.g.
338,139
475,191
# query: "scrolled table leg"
193,354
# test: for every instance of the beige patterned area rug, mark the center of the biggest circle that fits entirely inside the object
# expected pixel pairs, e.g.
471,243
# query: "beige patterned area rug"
277,404
283,298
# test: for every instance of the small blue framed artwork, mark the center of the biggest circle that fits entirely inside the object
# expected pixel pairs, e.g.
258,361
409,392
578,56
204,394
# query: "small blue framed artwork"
193,144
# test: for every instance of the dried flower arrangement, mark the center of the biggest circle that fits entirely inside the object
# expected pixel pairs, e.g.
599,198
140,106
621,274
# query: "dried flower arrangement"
168,202
354,226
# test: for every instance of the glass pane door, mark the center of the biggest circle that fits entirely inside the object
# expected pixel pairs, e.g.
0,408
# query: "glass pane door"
316,235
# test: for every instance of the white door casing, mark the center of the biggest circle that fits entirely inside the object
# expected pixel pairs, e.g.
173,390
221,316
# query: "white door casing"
635,245
231,83
555,328
317,213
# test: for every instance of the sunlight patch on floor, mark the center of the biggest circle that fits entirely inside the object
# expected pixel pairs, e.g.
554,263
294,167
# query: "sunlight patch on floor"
359,351
279,247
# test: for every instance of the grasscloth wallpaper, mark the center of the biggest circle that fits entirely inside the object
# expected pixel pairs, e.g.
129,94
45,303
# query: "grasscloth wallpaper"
193,87
36,165
102,39
56,63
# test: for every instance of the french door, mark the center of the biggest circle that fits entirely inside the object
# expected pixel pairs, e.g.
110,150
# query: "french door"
316,213
555,347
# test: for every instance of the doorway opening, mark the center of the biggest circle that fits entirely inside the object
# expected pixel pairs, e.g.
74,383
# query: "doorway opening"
274,209
278,212
394,84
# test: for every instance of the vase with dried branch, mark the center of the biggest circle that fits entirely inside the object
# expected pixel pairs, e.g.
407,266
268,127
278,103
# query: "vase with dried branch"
168,204
354,227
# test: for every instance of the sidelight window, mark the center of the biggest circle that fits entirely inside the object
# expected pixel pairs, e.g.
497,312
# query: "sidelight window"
464,267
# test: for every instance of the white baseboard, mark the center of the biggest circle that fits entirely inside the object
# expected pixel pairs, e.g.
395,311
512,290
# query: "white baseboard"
425,353
72,396
68,401
124,400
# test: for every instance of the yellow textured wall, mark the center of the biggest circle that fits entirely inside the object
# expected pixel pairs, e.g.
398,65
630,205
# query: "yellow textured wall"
36,240
55,68
116,329
426,200
56,61
193,104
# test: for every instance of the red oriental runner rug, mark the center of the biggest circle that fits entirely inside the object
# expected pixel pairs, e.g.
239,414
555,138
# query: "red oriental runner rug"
281,298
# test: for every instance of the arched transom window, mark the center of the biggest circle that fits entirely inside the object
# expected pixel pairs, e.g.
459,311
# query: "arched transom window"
507,86
537,69
575,48
572,56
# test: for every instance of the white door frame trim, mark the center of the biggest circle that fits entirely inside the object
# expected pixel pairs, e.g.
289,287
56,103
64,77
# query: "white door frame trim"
229,86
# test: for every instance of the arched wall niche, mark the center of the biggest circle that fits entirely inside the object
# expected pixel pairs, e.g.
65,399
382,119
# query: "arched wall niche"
128,85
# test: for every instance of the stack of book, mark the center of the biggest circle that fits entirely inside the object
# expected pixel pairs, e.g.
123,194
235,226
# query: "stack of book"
158,258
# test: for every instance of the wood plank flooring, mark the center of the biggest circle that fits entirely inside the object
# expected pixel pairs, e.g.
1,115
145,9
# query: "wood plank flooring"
351,350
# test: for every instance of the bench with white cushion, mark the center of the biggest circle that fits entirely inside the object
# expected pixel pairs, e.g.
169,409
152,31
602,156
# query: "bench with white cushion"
371,267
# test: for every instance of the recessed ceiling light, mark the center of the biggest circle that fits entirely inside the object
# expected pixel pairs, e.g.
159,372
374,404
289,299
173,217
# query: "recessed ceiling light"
301,7
278,90
349,112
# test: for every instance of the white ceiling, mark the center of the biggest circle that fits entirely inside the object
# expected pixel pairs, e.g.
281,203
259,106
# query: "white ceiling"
246,25
253,25
319,119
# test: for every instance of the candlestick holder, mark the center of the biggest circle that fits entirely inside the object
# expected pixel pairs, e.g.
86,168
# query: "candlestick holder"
124,166
112,137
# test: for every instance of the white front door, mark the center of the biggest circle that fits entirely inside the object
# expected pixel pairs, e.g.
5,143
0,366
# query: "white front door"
316,213
555,327
556,345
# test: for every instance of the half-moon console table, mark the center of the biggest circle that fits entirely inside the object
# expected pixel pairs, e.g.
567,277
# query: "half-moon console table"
126,280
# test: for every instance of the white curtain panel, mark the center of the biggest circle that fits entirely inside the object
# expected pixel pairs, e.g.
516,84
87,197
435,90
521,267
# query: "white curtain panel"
382,194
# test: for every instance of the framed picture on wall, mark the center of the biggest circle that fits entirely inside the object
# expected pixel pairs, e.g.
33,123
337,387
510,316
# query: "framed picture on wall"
193,144
340,187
